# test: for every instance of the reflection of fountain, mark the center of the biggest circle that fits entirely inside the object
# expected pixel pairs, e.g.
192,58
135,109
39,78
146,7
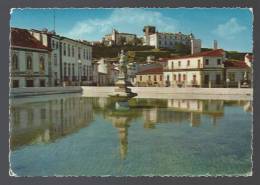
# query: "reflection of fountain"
122,91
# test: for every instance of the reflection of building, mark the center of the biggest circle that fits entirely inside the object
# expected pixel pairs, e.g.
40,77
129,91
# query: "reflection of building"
179,111
150,117
48,120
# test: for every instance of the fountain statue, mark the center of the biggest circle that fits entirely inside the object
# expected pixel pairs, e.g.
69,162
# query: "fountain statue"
122,91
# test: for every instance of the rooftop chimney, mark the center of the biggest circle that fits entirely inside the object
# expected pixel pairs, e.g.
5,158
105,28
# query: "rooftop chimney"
215,44
195,46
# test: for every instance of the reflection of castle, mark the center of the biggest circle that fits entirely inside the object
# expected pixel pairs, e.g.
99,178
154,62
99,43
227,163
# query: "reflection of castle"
48,120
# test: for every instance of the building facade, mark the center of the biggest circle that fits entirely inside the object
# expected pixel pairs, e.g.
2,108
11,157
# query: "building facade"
71,60
203,69
119,39
52,41
150,77
165,40
238,73
76,62
29,60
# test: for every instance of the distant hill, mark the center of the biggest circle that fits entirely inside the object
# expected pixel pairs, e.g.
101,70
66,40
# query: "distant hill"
113,51
140,53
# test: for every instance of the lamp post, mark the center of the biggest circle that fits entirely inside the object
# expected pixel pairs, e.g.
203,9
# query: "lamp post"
79,71
228,80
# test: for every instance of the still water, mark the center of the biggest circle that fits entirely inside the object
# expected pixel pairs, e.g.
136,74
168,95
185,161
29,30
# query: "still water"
73,135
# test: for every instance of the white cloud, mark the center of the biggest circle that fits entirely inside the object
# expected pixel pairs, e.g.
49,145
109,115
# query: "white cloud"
124,20
229,29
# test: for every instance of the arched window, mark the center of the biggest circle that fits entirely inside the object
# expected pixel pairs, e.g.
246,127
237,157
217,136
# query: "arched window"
42,64
15,62
29,62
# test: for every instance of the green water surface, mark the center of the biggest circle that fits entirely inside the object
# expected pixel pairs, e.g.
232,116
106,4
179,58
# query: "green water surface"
73,135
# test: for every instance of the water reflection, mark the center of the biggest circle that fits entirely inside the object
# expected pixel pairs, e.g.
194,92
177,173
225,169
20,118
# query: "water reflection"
47,121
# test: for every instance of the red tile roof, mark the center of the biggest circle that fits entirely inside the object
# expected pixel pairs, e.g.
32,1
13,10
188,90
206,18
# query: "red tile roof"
22,38
212,53
235,64
158,70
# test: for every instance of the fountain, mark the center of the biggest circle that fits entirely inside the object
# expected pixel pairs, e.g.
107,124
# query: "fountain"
122,91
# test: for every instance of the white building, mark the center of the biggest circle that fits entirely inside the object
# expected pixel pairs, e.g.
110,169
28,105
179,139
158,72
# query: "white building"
29,60
76,66
71,60
203,69
107,72
52,41
163,39
238,72
117,38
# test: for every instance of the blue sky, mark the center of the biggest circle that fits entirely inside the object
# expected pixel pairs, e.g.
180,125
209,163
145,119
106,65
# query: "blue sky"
231,27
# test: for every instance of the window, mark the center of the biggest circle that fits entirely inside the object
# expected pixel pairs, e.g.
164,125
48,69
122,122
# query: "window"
188,63
72,51
218,79
231,76
179,77
184,77
168,78
29,62
68,69
179,63
149,78
194,78
15,83
84,70
64,49
79,54
219,61
174,77
160,77
172,65
68,50
206,79
42,83
42,65
73,70
154,78
140,78
57,45
65,69
53,44
55,59
198,63
43,114
84,54
207,62
15,62
87,51
29,83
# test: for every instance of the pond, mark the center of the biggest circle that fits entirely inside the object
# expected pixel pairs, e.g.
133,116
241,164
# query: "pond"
83,136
